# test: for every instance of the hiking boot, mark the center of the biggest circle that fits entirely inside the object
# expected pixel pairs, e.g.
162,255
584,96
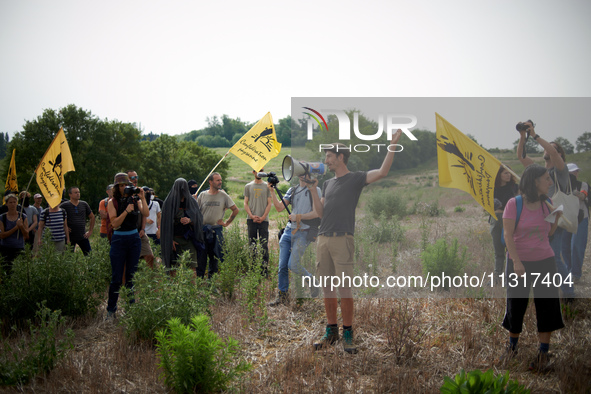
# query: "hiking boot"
330,337
541,363
348,344
508,354
282,299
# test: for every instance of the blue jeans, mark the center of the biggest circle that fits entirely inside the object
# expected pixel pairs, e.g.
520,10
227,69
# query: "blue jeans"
125,253
291,250
568,291
573,248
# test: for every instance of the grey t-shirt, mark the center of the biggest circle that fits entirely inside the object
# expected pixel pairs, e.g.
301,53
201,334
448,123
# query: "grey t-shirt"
258,196
299,198
561,176
213,206
341,196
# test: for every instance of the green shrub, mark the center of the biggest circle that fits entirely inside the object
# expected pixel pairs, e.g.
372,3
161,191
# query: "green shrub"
385,229
70,282
37,355
433,209
478,382
459,209
194,359
383,201
237,260
160,296
442,258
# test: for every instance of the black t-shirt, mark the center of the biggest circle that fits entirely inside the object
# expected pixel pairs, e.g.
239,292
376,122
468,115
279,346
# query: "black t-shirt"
341,196
505,193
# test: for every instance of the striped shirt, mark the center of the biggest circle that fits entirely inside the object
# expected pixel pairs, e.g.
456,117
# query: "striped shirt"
55,224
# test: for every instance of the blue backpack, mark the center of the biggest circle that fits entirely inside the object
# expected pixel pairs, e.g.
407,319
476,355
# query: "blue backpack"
519,204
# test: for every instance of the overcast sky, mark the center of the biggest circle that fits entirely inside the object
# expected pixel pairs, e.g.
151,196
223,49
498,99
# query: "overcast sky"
170,65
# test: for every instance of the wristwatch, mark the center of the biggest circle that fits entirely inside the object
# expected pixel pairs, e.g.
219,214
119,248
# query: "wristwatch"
536,137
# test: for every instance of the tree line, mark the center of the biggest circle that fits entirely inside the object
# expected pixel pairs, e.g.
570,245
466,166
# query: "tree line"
100,148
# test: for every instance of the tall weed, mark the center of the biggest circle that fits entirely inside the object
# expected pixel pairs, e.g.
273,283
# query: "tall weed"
40,353
384,202
70,282
158,297
194,359
444,258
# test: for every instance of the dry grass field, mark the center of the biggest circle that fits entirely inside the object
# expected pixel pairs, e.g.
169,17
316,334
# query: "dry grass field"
406,344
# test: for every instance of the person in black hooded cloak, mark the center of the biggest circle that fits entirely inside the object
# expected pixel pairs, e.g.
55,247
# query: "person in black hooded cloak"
181,224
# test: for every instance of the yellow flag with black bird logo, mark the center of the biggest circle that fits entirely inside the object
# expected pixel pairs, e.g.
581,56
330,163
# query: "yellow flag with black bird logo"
11,183
465,165
258,145
56,162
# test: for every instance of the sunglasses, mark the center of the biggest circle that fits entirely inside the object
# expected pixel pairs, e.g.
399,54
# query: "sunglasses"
133,177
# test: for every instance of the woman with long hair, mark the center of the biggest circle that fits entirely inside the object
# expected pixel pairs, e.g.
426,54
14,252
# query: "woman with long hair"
13,233
126,244
531,264
505,189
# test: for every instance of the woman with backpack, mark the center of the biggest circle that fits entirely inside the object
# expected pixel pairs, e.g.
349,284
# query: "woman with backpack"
531,264
13,233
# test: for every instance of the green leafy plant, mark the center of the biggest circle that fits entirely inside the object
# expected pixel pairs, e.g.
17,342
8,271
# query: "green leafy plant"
70,282
443,258
237,260
384,202
481,382
159,296
40,353
459,209
194,359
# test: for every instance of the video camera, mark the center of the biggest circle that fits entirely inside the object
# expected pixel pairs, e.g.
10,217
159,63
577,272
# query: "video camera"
130,194
521,126
271,177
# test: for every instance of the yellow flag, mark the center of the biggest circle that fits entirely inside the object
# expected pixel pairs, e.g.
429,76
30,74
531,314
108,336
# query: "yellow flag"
11,178
465,165
50,172
258,145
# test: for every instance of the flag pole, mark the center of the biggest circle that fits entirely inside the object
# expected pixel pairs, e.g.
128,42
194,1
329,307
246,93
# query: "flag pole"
23,206
210,172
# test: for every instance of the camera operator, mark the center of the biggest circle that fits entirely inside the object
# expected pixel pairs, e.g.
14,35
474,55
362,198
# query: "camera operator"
126,206
257,204
554,157
295,238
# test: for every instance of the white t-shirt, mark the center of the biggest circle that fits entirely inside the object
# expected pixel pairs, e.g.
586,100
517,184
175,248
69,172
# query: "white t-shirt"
154,208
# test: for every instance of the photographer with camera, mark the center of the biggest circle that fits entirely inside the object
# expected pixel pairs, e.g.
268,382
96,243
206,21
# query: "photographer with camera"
555,159
296,236
257,204
126,206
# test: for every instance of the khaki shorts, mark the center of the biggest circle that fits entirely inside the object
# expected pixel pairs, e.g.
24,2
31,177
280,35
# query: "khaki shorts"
146,248
335,256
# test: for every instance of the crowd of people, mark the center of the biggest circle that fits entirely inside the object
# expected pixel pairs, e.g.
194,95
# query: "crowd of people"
525,242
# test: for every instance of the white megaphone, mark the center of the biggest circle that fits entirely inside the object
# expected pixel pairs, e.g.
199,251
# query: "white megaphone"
291,168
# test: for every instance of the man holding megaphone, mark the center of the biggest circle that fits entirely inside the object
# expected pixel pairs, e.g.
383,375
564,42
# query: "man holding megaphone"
335,247
296,236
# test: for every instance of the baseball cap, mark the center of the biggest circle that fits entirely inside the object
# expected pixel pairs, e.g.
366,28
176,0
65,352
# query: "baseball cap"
37,196
572,167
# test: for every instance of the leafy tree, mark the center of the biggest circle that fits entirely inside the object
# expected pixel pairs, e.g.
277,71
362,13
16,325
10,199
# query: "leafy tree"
584,142
566,145
283,131
166,159
4,139
531,146
99,148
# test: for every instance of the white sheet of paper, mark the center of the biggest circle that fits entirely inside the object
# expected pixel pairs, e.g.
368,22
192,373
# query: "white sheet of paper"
552,217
